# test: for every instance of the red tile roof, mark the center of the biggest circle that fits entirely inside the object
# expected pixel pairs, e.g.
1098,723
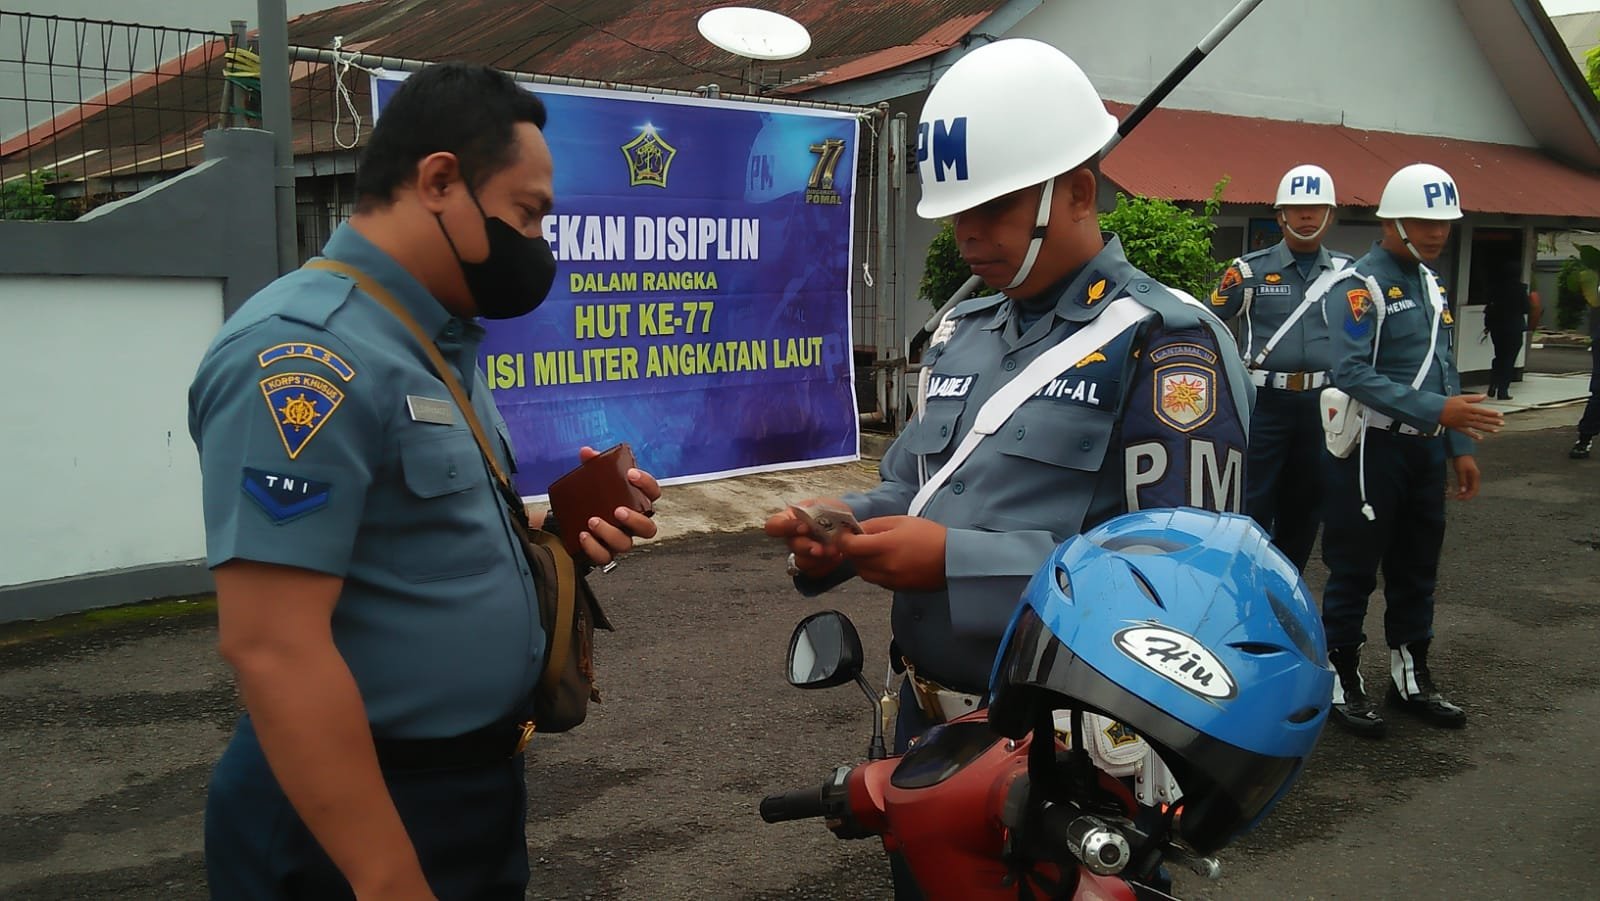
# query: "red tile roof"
1181,154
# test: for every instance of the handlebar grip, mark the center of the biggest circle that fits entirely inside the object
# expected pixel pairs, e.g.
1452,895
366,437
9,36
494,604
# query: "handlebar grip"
801,804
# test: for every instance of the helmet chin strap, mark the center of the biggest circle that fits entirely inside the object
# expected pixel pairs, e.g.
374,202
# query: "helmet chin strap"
1041,222
1327,217
1400,226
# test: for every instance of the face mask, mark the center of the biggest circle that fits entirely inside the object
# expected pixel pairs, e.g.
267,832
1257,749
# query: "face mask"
516,275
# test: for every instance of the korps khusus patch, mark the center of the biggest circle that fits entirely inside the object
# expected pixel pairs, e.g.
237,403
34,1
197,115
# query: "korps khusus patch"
1360,302
282,496
304,351
1185,396
301,404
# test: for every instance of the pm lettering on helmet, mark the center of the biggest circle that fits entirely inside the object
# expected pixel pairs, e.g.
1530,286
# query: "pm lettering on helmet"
1306,184
1439,190
945,145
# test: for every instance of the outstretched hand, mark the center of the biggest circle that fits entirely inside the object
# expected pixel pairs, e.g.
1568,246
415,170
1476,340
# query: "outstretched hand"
901,553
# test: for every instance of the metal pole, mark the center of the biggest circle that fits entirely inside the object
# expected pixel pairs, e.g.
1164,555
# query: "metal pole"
275,117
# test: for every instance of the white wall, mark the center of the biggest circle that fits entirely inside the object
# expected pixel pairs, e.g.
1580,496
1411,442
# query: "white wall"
97,471
1395,65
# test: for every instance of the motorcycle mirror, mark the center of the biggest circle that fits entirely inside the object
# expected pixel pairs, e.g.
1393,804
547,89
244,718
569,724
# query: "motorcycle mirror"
824,651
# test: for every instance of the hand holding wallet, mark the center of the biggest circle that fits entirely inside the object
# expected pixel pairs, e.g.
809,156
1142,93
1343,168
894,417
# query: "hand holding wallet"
596,488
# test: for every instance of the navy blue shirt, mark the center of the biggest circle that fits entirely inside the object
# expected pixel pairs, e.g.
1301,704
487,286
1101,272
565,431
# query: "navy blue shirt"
327,443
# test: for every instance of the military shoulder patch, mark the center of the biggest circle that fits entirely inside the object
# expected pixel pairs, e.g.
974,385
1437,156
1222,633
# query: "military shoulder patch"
284,497
307,352
1185,396
1360,300
301,405
1230,280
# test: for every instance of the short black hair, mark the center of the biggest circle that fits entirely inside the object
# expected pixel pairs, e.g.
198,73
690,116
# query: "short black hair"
461,108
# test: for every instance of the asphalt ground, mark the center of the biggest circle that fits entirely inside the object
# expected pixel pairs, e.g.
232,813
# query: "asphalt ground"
109,726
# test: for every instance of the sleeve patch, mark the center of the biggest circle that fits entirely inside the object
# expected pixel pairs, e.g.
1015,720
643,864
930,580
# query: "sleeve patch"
307,352
301,405
1185,395
1360,302
284,497
1230,280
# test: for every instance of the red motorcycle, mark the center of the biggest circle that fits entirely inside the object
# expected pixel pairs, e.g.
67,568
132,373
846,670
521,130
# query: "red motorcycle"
975,815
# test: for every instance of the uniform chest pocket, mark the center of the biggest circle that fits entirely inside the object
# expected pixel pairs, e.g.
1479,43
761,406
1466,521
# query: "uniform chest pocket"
1072,437
449,525
934,433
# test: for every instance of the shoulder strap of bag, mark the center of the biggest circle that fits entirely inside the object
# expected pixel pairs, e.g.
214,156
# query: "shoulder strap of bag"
566,571
1314,294
1115,319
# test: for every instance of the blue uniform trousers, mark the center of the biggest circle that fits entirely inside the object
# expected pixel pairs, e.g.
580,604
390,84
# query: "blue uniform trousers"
1406,487
468,826
1589,424
1283,479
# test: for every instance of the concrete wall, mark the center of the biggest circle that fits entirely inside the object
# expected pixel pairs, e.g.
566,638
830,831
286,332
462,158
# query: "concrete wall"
1410,67
106,318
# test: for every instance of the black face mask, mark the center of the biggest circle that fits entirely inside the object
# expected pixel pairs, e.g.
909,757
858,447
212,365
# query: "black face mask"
516,275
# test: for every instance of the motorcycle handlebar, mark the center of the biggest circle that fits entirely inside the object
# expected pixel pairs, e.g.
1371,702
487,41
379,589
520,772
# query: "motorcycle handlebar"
800,804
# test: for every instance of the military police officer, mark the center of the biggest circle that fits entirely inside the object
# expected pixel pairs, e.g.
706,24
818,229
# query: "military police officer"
1276,296
1393,340
373,599
1085,390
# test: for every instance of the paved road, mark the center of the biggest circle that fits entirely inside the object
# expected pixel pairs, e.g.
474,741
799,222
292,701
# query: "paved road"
107,736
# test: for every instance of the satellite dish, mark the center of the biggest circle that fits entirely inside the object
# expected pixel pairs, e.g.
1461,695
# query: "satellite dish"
755,33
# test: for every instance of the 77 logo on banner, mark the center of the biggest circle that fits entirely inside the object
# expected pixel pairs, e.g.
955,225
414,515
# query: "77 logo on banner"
819,189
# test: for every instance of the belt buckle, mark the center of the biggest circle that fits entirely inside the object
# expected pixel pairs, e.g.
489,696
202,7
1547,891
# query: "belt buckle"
1296,381
528,728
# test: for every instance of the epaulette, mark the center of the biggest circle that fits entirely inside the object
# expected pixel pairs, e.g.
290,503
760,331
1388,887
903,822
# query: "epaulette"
308,296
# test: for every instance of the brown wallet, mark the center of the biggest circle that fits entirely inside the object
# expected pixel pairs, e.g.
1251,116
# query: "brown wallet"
596,488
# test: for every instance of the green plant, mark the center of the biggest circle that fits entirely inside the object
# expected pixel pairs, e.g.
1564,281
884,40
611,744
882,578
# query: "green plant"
1578,287
1168,242
28,197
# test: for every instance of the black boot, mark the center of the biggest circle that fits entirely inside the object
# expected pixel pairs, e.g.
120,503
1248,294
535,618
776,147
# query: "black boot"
1580,450
1411,688
1352,708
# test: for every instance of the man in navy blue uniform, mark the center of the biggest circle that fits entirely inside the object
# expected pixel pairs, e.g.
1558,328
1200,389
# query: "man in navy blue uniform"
1394,352
1085,390
373,598
1275,294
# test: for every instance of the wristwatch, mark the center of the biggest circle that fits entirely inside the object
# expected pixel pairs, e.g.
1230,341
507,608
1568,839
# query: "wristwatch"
793,569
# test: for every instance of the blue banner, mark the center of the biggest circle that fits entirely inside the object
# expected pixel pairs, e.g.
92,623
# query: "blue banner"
701,310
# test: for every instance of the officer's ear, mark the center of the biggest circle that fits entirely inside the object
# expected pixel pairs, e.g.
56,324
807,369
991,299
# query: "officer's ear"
438,181
1080,188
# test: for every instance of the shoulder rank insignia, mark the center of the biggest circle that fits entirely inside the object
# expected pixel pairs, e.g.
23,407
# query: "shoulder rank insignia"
1395,293
1097,293
1273,278
301,404
1096,357
1360,302
1446,317
307,352
1184,396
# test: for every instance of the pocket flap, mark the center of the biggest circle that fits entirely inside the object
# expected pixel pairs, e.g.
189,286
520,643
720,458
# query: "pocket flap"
1071,437
441,464
936,430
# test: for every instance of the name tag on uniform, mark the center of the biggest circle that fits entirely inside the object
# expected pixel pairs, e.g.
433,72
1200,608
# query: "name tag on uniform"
431,409
1275,289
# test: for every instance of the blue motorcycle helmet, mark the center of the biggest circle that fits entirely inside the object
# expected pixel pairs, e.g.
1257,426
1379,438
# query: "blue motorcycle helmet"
1191,629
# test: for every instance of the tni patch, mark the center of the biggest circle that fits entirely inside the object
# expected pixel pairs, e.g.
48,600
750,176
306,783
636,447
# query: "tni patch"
1185,398
301,404
284,497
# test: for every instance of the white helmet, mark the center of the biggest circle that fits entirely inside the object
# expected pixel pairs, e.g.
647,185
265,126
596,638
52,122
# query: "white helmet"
1420,191
985,132
1306,185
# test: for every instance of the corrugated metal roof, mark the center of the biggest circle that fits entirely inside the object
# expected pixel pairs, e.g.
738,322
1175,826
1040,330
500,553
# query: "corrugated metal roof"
1181,154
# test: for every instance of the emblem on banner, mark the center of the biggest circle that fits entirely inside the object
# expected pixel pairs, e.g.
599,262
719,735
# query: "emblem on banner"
301,404
649,157
819,187
1184,398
